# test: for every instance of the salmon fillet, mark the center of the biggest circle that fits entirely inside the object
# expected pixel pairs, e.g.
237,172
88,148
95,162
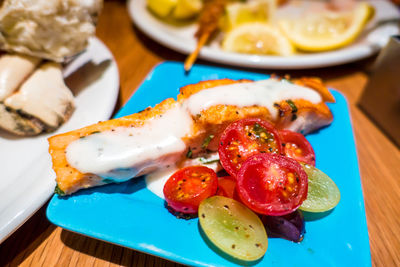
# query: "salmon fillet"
211,121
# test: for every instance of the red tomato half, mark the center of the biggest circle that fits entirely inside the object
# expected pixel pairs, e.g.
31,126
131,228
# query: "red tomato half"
296,146
187,187
272,184
244,138
226,186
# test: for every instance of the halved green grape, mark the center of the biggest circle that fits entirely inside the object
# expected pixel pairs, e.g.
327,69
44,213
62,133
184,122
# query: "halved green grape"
323,194
233,228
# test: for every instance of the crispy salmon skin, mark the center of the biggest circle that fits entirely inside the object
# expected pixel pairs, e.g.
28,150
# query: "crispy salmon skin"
211,121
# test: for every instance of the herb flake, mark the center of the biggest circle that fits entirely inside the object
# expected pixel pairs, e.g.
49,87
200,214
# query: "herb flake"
207,141
292,105
208,161
58,191
189,154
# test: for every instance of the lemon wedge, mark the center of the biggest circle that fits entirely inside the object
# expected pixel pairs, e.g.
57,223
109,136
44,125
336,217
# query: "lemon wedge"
186,9
161,8
254,11
257,38
327,30
175,9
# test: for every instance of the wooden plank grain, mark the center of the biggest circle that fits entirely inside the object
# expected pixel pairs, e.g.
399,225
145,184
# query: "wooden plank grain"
135,53
379,161
38,243
379,164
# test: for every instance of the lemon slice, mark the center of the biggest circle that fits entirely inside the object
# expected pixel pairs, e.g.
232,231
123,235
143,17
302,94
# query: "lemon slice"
161,8
257,38
327,30
186,9
254,11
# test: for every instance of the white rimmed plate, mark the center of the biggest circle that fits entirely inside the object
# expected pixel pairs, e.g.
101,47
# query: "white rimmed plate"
181,39
26,177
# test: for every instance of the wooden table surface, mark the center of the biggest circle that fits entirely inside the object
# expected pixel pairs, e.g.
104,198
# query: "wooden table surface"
39,243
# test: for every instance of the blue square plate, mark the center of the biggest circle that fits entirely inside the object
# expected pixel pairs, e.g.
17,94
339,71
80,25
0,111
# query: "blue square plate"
128,214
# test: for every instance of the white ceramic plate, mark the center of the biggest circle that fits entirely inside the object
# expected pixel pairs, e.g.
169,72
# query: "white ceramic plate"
26,177
180,38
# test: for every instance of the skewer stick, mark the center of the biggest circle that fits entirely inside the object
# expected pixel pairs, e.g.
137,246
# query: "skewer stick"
193,56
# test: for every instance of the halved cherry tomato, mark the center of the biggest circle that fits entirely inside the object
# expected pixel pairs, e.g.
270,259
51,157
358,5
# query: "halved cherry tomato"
244,138
187,187
226,186
272,184
296,146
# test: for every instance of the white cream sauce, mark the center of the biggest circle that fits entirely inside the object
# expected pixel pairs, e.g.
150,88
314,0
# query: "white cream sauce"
261,93
127,152
155,181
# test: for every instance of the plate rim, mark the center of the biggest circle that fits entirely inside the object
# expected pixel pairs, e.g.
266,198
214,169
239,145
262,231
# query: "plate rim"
324,59
27,210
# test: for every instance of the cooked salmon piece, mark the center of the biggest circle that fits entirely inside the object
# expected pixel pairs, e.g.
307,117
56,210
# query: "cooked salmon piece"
299,114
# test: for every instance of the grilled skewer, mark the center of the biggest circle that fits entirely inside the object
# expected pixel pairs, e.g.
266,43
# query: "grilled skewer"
208,24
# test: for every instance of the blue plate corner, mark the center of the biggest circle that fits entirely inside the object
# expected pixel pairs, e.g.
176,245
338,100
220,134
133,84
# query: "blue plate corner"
128,214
